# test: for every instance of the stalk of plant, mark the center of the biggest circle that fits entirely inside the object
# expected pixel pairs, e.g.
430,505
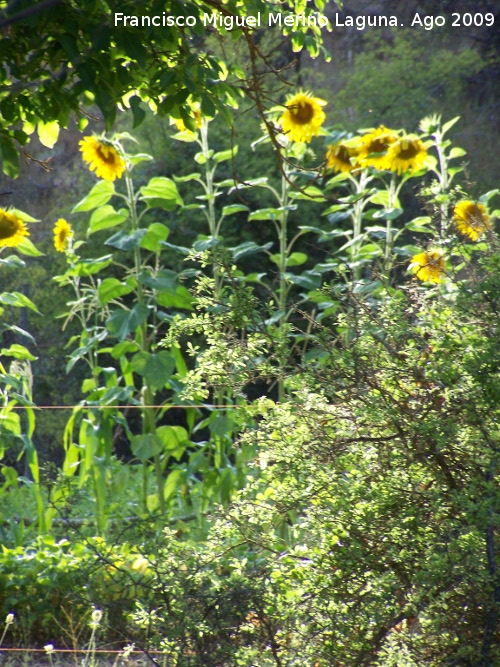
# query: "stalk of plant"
90,655
9,620
146,393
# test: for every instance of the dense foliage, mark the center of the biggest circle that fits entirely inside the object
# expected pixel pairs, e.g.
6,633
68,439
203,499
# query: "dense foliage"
285,445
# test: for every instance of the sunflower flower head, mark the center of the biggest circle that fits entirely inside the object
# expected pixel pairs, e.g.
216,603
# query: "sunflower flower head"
12,229
102,157
195,111
406,154
62,234
471,219
342,157
374,147
303,117
428,266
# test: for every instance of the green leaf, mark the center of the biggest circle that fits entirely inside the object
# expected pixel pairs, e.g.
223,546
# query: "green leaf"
26,247
112,288
233,208
13,261
249,248
10,421
48,133
296,259
24,216
17,300
123,322
186,179
156,233
88,267
172,437
222,156
100,194
221,426
106,217
181,299
311,192
18,352
162,192
146,446
388,214
419,224
484,199
137,111
309,280
126,240
456,152
449,124
164,281
266,214
155,368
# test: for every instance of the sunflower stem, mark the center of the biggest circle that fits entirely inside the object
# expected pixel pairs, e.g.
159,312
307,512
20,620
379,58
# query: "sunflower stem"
147,394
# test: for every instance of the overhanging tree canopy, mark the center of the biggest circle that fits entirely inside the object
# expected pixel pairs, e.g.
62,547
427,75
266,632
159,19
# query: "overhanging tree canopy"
61,54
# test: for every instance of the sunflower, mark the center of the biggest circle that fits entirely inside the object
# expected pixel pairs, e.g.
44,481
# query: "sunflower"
471,219
341,157
195,112
428,266
62,233
406,154
103,158
374,147
12,229
303,117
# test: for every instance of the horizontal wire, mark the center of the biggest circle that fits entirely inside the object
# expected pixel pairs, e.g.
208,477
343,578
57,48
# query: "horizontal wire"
121,407
74,650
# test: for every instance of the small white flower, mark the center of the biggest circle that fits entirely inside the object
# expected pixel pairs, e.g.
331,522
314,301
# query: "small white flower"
10,619
96,616
49,649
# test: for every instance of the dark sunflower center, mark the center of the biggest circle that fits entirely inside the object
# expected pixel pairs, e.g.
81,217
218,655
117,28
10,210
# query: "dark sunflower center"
302,112
107,156
379,145
7,228
408,150
343,155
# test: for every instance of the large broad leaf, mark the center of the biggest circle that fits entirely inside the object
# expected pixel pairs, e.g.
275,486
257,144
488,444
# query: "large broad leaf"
164,281
181,299
106,217
100,194
18,352
17,300
123,322
146,446
87,267
26,247
126,241
48,133
172,437
155,234
156,369
112,288
248,248
162,192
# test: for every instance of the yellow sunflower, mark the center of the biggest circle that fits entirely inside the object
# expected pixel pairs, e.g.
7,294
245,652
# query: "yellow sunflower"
406,154
374,147
62,233
12,229
341,157
471,219
103,158
195,112
428,266
303,117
